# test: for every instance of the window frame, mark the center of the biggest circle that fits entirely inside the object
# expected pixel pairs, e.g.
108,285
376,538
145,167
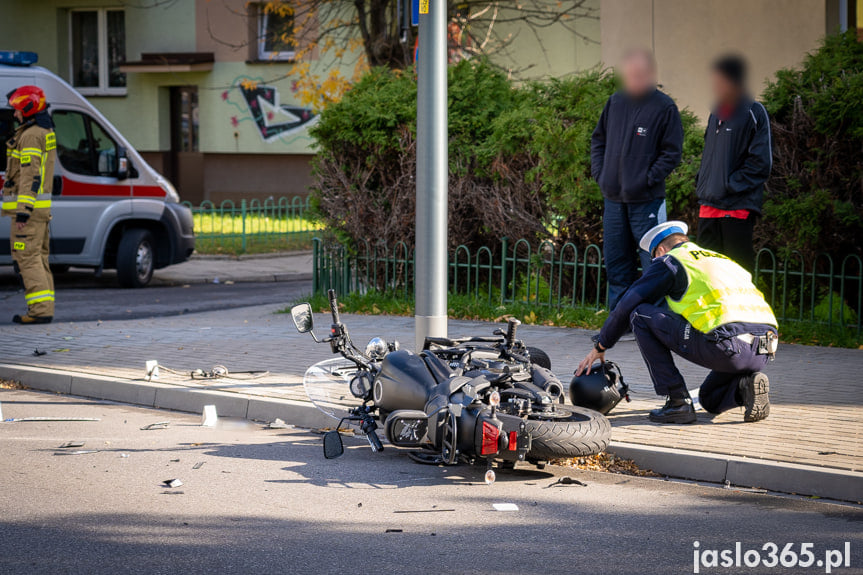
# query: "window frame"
102,29
262,54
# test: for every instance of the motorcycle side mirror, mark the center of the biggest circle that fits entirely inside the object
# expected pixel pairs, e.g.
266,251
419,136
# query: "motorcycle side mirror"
333,446
303,317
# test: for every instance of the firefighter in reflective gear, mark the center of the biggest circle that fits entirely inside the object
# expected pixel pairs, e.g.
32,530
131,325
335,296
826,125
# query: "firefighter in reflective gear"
711,314
27,199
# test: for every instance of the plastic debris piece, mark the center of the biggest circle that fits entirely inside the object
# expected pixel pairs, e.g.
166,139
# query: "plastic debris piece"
157,425
422,510
61,350
151,369
55,419
393,531
69,444
38,352
175,461
124,456
277,424
68,337
172,483
198,465
567,480
505,506
490,477
79,452
173,492
209,417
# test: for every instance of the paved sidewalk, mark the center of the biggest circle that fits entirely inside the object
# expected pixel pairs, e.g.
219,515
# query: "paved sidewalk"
263,268
816,419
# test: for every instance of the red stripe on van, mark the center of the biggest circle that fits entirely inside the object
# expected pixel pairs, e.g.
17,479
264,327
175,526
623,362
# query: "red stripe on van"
76,188
149,192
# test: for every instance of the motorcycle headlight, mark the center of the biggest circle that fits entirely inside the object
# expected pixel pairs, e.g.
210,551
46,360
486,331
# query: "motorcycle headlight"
376,348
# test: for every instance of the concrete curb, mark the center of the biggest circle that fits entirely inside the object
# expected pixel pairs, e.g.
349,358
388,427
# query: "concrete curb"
242,257
744,472
257,278
716,468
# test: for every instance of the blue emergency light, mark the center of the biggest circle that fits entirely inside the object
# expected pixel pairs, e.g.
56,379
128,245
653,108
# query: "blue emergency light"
18,58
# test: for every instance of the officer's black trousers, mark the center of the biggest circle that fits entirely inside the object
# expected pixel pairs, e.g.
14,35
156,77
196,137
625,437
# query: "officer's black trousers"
660,331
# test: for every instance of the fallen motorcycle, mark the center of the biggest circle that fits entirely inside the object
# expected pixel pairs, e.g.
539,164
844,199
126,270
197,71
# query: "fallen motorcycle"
463,399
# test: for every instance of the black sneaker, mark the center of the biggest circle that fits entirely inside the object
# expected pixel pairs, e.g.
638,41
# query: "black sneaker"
674,411
753,392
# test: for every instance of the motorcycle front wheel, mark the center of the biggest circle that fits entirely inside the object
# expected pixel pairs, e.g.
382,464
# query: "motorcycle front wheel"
571,432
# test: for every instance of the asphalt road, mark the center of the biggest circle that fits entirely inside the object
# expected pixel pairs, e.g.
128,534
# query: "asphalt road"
83,297
266,501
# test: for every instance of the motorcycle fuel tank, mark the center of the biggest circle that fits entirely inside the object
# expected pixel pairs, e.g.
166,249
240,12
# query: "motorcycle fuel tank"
404,382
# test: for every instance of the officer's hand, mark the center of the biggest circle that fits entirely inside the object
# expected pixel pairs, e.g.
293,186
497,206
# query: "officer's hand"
588,361
20,225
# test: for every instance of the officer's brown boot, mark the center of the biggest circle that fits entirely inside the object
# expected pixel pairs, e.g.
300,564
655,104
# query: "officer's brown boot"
28,319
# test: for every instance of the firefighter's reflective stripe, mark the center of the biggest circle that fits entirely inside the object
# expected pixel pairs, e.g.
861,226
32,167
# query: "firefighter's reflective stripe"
26,200
32,151
35,297
50,141
10,205
14,153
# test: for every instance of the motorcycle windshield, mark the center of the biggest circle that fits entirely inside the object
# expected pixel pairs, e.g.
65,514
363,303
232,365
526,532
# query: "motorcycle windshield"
327,385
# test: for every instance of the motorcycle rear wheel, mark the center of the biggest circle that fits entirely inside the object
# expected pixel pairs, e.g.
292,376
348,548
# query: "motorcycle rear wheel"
574,432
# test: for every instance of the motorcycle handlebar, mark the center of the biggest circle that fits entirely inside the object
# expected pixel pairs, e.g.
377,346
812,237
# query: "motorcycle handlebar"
512,327
334,305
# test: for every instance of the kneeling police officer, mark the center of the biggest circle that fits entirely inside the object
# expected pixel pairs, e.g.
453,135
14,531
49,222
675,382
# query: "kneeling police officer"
712,315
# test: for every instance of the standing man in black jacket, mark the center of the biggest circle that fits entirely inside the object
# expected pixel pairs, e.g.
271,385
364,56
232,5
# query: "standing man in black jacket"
636,144
736,162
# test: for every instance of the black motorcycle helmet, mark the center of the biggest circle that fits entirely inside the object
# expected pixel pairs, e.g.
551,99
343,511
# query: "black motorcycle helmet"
601,390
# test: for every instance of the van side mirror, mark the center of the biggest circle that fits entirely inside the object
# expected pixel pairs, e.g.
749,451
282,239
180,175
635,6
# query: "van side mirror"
303,317
122,164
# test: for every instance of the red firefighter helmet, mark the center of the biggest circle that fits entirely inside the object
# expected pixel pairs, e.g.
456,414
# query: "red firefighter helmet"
28,99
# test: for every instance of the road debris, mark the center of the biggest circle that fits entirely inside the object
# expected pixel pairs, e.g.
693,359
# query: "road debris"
172,483
38,352
505,506
23,419
69,444
393,531
198,465
61,350
79,452
209,417
173,492
743,489
277,424
422,510
124,456
566,480
157,425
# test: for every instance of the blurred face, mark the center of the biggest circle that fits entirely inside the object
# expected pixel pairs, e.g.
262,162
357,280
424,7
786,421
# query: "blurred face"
638,75
19,115
724,90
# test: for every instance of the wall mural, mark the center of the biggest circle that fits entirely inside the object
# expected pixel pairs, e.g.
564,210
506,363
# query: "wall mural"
259,103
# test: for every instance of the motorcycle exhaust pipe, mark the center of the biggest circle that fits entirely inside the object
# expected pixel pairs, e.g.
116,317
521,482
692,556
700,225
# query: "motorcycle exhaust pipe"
548,382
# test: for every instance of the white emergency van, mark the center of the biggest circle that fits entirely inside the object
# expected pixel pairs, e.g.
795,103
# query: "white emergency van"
111,210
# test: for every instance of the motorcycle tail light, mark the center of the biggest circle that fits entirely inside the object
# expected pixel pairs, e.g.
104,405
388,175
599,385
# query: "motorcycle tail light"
513,441
490,435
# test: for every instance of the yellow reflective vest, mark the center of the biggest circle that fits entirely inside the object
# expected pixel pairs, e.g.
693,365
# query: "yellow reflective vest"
719,292
29,172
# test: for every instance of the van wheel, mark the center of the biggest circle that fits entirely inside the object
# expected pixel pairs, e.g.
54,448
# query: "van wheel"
135,258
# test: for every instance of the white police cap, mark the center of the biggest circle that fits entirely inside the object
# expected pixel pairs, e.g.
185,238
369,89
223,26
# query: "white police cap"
656,234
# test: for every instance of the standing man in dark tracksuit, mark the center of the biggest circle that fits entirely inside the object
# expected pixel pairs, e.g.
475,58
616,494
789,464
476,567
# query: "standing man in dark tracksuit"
736,162
712,315
636,144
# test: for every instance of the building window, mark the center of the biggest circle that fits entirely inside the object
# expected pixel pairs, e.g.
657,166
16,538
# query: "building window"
276,32
97,48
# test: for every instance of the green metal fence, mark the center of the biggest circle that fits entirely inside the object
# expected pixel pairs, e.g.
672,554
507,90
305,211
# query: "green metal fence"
253,226
550,274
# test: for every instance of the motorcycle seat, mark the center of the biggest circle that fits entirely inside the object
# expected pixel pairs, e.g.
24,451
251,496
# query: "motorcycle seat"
438,367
